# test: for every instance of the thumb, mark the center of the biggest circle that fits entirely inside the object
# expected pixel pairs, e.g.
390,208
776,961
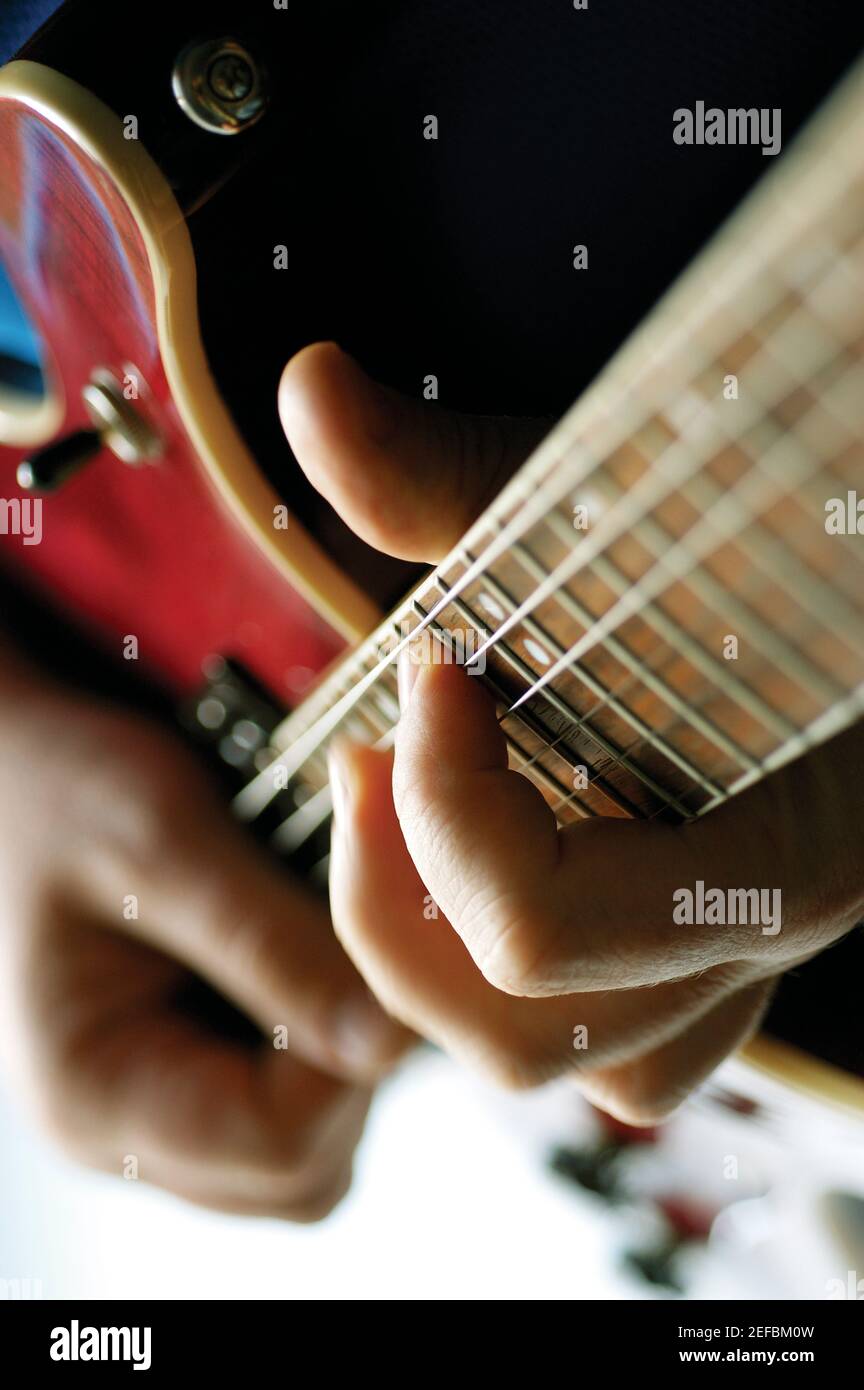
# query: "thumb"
407,477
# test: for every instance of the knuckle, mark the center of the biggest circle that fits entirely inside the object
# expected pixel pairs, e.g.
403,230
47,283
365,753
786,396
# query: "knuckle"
134,792
516,1070
249,940
511,944
644,1097
517,1061
312,1209
325,1136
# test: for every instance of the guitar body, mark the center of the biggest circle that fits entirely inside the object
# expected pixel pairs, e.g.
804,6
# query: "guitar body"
183,552
191,551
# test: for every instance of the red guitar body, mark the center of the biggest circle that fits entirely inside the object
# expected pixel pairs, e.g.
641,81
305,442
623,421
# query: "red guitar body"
149,551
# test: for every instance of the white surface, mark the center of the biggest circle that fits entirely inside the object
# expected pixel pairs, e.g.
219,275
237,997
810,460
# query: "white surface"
447,1203
452,1200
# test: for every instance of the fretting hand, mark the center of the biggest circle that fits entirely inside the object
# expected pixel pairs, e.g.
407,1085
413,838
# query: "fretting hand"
542,933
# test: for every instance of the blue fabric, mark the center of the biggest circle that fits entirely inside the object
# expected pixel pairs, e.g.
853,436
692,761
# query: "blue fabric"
19,19
17,339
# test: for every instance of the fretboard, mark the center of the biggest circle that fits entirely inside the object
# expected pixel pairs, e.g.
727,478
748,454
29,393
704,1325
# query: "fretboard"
660,602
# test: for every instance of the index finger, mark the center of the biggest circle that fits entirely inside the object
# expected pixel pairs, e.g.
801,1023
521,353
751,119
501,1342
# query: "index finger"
545,911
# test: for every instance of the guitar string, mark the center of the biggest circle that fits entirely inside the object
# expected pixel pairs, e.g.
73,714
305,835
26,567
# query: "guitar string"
482,561
587,551
574,658
555,455
667,570
257,794
626,607
823,599
260,791
588,715
331,720
585,717
786,750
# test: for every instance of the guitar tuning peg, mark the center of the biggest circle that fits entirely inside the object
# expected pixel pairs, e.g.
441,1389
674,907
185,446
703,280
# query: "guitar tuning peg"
49,468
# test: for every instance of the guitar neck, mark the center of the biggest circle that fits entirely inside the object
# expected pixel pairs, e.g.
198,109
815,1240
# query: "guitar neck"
667,599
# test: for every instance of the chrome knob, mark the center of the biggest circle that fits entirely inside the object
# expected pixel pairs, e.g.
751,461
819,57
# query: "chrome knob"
121,427
219,86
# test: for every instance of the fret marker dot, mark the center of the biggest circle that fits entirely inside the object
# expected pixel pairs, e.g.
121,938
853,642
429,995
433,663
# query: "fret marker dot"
534,649
491,606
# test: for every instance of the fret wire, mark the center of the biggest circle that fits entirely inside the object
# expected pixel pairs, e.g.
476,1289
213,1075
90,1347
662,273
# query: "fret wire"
799,669
830,722
539,774
713,596
495,587
659,736
671,469
785,656
710,593
718,276
565,709
531,484
544,748
681,642
827,605
679,560
622,653
699,701
615,404
815,509
574,718
571,797
606,698
374,716
611,754
531,722
675,330
299,827
706,695
770,549
445,599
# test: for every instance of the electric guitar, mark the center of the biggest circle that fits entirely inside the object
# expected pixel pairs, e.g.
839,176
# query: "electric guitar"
703,492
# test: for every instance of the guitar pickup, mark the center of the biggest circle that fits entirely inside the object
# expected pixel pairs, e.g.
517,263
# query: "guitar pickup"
233,716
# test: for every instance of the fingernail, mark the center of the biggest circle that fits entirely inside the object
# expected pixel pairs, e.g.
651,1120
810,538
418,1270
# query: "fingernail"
407,670
364,1035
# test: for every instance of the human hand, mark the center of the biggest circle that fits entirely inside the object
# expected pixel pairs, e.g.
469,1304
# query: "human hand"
542,932
123,880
